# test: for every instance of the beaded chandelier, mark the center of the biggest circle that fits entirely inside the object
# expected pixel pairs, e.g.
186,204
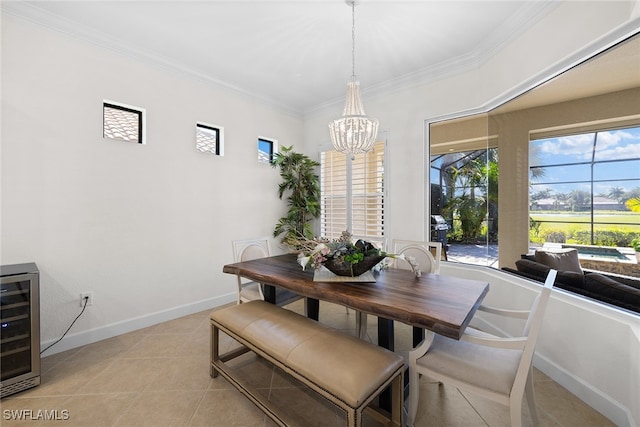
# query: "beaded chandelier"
353,133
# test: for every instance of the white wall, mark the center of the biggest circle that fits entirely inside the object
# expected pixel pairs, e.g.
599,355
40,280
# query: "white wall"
589,348
146,228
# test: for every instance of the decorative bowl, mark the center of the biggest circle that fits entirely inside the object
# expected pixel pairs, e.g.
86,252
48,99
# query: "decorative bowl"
341,268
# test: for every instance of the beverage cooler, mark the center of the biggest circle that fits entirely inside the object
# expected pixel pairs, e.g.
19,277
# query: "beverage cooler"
19,328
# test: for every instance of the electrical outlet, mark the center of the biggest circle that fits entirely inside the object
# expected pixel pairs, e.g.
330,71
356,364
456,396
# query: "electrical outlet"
86,295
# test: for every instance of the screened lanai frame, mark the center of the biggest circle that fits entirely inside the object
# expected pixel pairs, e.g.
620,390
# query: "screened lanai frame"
445,164
601,158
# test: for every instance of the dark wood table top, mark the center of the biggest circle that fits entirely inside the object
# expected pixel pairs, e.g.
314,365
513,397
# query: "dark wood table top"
442,304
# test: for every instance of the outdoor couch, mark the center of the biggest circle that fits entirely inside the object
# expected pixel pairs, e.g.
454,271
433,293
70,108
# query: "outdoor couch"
615,289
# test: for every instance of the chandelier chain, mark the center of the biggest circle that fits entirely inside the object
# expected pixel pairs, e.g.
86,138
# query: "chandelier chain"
353,39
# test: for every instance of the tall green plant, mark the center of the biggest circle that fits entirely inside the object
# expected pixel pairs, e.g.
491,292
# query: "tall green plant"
471,208
300,181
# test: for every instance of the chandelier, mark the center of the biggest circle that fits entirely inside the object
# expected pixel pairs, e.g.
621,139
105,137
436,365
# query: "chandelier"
353,133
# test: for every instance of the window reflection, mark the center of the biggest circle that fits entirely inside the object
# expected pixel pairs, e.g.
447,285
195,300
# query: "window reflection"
464,191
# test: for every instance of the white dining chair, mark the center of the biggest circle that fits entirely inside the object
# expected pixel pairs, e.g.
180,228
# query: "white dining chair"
494,367
246,250
421,252
428,261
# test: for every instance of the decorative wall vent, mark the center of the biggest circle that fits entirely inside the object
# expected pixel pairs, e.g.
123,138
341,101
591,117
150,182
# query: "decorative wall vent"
123,122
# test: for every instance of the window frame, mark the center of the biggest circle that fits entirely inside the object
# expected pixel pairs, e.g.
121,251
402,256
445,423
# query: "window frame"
593,224
141,120
219,150
274,149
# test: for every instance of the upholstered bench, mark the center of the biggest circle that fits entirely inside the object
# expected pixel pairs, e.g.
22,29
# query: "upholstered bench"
345,370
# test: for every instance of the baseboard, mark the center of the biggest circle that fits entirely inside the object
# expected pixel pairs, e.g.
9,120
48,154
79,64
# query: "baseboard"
613,410
108,331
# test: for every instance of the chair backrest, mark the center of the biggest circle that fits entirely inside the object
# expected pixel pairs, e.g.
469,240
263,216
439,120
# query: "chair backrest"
532,328
248,249
421,251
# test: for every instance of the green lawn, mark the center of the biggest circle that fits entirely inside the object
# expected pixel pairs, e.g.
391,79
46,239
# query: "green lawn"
627,221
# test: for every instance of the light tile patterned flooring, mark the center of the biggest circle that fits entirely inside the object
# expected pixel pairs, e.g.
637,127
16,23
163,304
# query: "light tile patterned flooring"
159,376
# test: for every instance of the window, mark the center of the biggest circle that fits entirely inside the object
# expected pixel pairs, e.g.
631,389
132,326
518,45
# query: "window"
464,193
123,122
266,148
367,193
582,188
209,139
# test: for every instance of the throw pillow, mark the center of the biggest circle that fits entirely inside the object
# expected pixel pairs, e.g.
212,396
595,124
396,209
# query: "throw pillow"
530,257
560,259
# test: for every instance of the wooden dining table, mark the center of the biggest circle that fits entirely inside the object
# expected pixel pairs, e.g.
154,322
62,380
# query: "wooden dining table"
439,303
442,304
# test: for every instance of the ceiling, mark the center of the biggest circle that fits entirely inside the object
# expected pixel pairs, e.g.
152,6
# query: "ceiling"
615,69
297,53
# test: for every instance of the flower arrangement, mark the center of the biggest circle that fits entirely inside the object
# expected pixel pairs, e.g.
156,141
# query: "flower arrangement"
343,257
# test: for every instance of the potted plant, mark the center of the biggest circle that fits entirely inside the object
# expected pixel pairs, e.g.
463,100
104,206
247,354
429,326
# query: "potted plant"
343,257
301,182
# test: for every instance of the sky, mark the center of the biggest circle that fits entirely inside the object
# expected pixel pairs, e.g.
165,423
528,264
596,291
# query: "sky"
561,157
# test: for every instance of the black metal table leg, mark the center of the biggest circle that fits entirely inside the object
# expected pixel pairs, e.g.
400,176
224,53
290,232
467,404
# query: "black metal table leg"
386,340
313,305
269,293
418,336
313,308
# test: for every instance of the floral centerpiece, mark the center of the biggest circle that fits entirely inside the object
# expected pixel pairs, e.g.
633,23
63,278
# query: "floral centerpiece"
343,257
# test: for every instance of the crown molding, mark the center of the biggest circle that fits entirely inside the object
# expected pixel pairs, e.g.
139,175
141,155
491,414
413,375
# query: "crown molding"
608,40
527,16
617,35
467,62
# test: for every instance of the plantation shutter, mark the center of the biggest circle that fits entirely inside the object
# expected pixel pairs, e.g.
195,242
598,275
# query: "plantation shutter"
367,193
333,194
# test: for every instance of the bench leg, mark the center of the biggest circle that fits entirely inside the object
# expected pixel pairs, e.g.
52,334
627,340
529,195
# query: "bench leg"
215,350
397,400
354,418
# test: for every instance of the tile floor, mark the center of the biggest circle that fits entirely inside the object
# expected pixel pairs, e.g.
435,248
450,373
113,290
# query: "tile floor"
159,376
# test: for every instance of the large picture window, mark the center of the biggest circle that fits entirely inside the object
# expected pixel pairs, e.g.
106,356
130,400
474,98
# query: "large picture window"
366,192
585,188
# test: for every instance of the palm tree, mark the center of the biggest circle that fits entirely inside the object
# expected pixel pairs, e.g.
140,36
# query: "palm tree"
470,207
634,193
579,199
536,173
616,193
